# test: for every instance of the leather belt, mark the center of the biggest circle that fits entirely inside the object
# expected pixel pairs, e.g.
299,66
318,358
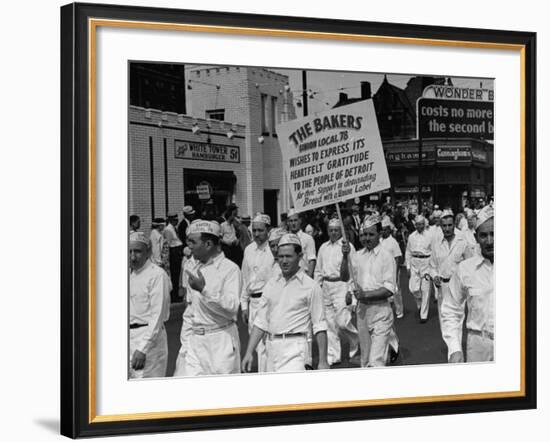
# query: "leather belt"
483,334
419,255
211,329
286,335
256,295
332,279
132,326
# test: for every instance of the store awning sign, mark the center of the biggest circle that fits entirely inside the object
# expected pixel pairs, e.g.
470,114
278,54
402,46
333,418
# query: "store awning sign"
454,154
333,156
191,150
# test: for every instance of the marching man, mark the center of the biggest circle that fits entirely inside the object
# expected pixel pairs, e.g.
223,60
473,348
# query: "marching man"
327,275
213,288
256,270
291,304
417,260
308,259
149,310
473,285
374,270
447,253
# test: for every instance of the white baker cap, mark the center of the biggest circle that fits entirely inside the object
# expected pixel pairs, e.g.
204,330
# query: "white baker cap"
334,222
437,213
420,219
292,212
276,234
447,212
290,238
386,222
204,226
262,218
484,215
370,221
140,237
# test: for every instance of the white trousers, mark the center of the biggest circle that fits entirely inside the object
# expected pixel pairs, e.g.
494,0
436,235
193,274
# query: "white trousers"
253,306
479,348
441,293
217,352
374,323
156,358
185,337
419,287
286,354
397,298
339,320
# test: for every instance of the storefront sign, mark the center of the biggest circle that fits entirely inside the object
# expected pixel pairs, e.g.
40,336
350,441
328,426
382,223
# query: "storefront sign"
408,156
333,156
443,92
438,118
454,155
190,150
412,189
203,190
479,155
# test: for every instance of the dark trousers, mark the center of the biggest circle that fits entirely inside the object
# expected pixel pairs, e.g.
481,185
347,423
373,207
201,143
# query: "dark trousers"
176,256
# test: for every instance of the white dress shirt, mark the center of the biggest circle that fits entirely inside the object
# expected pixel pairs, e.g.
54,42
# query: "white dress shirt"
446,257
329,260
374,269
308,249
391,245
472,283
469,235
293,306
157,240
418,243
256,270
218,303
172,236
149,301
229,235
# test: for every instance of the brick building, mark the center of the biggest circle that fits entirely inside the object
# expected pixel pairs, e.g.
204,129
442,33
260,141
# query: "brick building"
169,157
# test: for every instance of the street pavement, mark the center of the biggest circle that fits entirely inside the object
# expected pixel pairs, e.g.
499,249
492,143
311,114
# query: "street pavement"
418,343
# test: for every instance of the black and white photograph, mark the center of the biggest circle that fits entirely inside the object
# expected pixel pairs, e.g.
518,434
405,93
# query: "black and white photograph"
285,220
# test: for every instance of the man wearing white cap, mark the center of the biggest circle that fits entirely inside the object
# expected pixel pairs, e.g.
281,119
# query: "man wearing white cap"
374,273
149,310
213,288
469,232
417,260
338,313
290,306
447,253
308,244
186,219
473,285
256,270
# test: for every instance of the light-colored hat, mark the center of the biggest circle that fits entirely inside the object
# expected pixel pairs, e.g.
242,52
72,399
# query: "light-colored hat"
420,219
484,215
188,210
437,213
386,222
140,237
292,212
370,221
203,226
290,238
262,218
469,213
334,222
276,234
446,213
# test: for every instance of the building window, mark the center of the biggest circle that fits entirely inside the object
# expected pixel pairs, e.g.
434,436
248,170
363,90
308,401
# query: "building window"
216,114
274,116
265,114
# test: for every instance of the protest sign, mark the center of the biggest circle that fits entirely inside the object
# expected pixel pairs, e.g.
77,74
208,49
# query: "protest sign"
333,156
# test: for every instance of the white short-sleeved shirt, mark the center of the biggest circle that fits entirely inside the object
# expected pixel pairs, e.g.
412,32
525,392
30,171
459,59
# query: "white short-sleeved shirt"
374,269
391,245
218,303
292,306
308,249
473,284
256,270
329,260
